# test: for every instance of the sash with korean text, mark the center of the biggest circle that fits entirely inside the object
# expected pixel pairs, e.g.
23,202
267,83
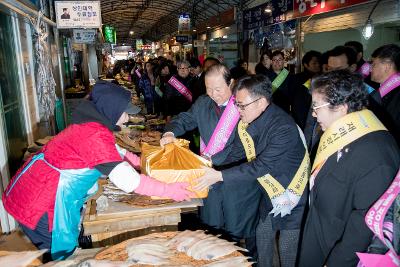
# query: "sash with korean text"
180,88
222,131
341,133
138,73
273,188
390,84
365,69
279,79
382,229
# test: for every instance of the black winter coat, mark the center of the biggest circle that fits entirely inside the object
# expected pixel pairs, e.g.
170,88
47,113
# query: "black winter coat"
174,101
279,151
233,209
349,182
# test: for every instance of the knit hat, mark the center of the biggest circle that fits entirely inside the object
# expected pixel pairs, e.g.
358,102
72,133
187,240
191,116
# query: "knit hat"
112,100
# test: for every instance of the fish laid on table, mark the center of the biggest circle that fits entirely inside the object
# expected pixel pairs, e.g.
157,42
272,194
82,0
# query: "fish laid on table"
103,263
21,258
230,262
201,246
150,251
185,239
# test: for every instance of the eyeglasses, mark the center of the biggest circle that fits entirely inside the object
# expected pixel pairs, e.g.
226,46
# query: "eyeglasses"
183,68
243,107
315,108
277,60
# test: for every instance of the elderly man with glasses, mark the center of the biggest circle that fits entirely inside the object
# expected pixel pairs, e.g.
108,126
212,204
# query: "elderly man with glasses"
277,164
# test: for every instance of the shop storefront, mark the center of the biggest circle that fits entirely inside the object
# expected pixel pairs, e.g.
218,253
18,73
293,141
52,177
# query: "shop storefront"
30,71
222,44
324,31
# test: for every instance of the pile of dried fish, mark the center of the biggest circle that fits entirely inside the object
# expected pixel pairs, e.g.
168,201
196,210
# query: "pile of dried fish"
115,194
162,249
201,246
152,251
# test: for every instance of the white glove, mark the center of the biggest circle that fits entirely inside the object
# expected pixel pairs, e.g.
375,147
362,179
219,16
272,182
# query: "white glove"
281,205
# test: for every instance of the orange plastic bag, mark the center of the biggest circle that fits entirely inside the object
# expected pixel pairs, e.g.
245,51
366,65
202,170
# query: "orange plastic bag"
173,163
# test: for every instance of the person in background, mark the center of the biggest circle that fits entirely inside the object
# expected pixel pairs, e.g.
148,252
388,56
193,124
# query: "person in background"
178,94
276,159
342,57
146,85
208,62
239,70
356,161
163,74
363,67
281,81
264,65
46,195
302,98
386,72
197,84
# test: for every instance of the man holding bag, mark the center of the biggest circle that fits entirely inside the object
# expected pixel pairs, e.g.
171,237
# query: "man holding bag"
277,163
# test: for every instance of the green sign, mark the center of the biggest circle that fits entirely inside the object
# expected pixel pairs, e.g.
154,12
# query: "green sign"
110,35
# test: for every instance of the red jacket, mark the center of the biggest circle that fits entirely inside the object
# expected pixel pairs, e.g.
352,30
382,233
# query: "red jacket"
78,146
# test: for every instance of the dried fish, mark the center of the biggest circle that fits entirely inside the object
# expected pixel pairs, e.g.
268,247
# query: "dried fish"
20,259
151,251
222,250
239,261
103,263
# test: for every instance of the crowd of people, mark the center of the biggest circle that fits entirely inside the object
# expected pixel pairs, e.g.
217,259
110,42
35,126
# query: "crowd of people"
303,162
260,188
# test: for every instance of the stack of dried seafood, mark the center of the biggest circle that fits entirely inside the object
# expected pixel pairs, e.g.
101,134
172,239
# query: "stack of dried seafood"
188,248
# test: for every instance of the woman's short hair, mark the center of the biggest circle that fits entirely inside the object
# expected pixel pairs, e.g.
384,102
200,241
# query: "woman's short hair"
220,69
389,52
182,62
257,85
342,87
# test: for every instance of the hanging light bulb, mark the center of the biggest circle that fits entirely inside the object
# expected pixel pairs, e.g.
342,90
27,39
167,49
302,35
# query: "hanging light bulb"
368,29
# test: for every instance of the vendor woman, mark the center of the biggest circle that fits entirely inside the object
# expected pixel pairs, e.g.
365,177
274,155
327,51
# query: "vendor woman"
47,194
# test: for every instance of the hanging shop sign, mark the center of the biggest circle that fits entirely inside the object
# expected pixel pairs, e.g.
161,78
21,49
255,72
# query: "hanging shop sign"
110,34
74,14
82,36
198,43
182,38
258,17
184,22
139,44
303,8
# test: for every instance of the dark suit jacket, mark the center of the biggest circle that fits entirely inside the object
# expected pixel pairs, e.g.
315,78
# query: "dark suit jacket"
198,86
283,95
344,190
279,151
205,114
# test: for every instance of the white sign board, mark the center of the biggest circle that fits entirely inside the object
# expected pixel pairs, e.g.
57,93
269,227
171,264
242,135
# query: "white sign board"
184,22
82,36
198,43
73,14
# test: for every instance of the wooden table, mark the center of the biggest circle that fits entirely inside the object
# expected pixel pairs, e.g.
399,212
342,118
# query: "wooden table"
122,221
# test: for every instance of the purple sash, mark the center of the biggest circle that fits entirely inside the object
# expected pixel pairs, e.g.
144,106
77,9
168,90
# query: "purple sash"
365,69
391,83
138,73
181,88
222,131
375,221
